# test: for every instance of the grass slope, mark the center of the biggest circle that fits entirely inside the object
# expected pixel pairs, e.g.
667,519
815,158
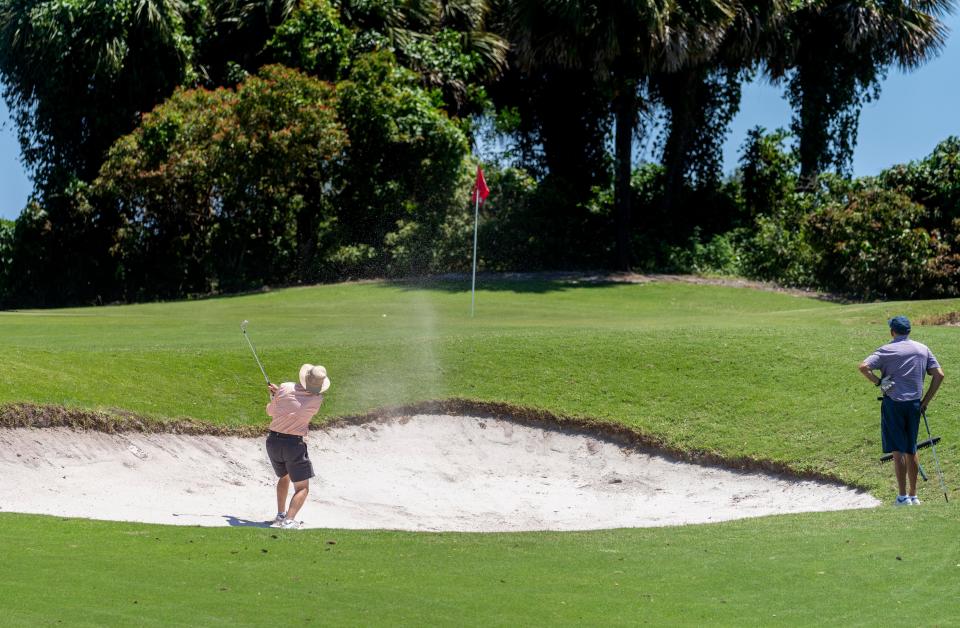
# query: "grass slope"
725,370
731,371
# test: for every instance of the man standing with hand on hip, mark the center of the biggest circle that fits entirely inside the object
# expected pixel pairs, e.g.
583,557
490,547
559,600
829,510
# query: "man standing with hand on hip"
903,363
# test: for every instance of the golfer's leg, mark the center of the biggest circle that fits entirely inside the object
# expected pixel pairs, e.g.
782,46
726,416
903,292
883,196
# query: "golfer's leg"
300,491
912,463
900,468
283,487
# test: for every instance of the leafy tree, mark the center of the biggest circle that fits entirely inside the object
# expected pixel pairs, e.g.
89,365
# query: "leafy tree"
622,43
232,34
405,161
78,73
833,55
870,244
934,182
314,40
559,122
768,172
702,96
224,189
446,42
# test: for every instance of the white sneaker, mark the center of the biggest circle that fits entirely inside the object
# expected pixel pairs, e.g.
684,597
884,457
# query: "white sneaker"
290,524
281,517
914,500
903,501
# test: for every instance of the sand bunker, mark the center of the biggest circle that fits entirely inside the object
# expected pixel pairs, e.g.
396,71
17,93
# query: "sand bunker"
425,472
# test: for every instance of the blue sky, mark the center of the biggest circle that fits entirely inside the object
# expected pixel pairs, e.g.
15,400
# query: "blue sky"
915,112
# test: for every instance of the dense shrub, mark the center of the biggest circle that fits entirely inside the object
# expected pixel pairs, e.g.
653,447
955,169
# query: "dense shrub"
225,189
507,241
768,173
934,182
720,255
287,179
314,40
776,247
676,236
869,244
6,253
404,167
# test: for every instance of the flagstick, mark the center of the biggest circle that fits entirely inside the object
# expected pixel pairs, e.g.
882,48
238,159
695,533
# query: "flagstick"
476,221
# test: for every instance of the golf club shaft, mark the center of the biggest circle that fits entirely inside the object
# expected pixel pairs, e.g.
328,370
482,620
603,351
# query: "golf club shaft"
255,357
936,459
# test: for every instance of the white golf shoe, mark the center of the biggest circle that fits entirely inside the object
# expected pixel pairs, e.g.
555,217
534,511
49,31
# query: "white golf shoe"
281,517
914,500
903,501
290,524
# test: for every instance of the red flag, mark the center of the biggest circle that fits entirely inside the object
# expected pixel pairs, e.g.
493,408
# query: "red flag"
480,189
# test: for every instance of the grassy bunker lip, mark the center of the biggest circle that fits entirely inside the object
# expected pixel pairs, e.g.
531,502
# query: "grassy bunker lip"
114,421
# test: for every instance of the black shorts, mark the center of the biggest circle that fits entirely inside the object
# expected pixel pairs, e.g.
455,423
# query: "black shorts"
288,454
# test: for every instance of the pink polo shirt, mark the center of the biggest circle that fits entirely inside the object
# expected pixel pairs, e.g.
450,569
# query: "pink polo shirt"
292,408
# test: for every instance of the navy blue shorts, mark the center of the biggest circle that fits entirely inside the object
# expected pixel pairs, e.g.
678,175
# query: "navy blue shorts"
899,424
288,455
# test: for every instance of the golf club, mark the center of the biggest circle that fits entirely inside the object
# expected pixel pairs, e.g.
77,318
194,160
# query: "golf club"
920,445
243,328
923,473
933,448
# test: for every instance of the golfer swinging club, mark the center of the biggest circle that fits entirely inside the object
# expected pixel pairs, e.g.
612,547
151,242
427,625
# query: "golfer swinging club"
902,364
291,407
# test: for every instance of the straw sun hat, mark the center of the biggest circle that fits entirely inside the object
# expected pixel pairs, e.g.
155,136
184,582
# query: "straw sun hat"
314,378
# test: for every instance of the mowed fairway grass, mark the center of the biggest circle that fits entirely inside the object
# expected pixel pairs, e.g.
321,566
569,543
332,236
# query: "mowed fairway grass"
730,371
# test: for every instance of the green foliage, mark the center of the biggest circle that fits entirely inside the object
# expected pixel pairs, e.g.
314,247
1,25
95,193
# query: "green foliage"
508,239
776,248
6,253
76,73
869,244
672,236
768,172
404,164
231,189
446,44
314,40
287,179
933,182
717,256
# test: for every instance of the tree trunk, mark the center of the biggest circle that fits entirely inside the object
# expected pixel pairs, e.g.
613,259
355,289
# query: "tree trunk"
811,127
679,91
625,110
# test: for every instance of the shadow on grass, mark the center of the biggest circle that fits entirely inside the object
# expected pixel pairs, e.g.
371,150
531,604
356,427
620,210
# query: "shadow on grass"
520,283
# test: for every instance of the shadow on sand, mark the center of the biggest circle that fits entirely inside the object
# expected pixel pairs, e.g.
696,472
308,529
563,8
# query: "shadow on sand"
245,523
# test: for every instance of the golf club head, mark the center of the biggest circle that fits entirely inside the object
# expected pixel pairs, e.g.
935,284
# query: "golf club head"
243,325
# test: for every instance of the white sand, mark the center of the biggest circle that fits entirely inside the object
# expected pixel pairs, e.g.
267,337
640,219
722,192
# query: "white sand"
426,472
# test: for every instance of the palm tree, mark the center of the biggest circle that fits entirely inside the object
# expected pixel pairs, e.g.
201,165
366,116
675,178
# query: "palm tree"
703,95
78,75
407,26
622,42
833,54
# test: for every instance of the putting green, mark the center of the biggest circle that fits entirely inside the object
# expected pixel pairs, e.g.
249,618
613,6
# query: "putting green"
727,371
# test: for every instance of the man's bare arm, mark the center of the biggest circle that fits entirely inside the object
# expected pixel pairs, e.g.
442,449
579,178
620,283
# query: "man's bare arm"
936,375
868,373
